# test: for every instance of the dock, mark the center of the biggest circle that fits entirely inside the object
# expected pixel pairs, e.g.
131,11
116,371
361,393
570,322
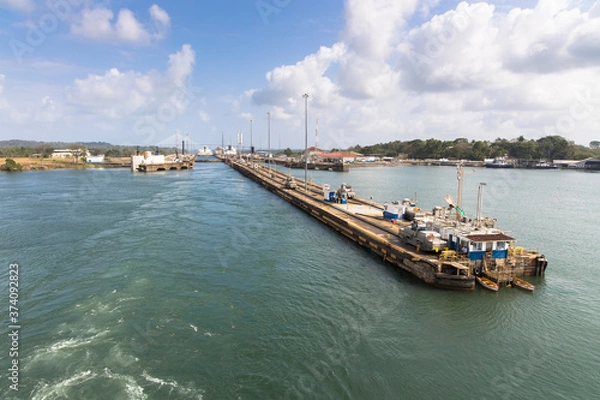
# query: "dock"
148,162
322,166
208,160
354,221
166,166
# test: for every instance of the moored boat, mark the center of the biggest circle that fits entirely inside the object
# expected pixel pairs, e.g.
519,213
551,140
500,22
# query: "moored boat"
205,151
523,284
487,283
499,162
152,162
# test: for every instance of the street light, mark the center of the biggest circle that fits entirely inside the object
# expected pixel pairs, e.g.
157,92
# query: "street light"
305,95
480,202
251,146
269,140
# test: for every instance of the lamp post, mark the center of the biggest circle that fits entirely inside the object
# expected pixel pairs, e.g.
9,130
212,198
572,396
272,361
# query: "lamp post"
305,95
251,146
269,139
460,178
480,202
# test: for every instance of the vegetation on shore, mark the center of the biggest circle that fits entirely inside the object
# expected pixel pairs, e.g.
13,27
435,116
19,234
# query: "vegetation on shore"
11,165
29,148
40,164
548,148
32,155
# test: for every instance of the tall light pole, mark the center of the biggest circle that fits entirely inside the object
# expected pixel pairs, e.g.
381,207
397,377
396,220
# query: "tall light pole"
460,177
269,139
479,202
251,146
305,95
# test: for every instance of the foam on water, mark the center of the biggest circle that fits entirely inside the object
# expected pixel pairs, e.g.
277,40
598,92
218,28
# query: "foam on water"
173,386
67,345
107,383
59,389
85,384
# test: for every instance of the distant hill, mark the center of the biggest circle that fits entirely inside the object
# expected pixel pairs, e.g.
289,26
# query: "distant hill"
56,145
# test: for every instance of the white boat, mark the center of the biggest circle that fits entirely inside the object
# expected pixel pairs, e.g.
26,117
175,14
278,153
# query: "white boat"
148,162
205,151
499,162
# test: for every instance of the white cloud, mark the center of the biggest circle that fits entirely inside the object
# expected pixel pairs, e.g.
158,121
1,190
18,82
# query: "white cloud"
128,29
288,83
246,116
19,5
472,71
203,115
47,102
97,24
371,34
181,64
117,94
160,18
372,27
548,38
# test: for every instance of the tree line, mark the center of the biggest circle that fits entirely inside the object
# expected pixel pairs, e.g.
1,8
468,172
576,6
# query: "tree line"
44,150
548,148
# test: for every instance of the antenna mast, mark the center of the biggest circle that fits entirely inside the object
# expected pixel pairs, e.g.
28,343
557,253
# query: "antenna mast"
459,177
317,135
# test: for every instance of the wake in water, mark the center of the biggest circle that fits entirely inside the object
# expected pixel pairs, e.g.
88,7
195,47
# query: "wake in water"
78,373
110,385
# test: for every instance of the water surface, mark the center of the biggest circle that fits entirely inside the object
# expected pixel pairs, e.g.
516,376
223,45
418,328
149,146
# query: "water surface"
201,284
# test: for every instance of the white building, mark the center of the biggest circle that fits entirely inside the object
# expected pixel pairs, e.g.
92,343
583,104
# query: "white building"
68,153
95,159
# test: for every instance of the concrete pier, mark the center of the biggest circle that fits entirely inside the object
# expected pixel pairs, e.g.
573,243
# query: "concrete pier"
370,232
174,166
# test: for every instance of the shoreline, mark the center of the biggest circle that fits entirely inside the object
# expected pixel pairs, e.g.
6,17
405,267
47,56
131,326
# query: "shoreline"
48,164
35,164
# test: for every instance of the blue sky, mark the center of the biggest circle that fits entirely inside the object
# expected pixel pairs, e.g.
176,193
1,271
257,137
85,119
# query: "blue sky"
137,72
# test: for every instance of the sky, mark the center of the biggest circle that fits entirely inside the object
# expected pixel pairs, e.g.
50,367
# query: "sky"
150,73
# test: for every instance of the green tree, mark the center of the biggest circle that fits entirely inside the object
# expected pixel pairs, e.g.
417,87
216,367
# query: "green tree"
11,165
480,150
414,149
288,152
44,150
79,151
524,149
458,149
553,147
581,153
432,148
500,147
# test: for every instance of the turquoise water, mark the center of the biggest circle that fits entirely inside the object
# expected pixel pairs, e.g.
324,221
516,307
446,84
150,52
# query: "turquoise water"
201,284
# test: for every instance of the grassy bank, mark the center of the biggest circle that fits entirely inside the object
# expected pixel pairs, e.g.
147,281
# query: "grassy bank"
37,164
